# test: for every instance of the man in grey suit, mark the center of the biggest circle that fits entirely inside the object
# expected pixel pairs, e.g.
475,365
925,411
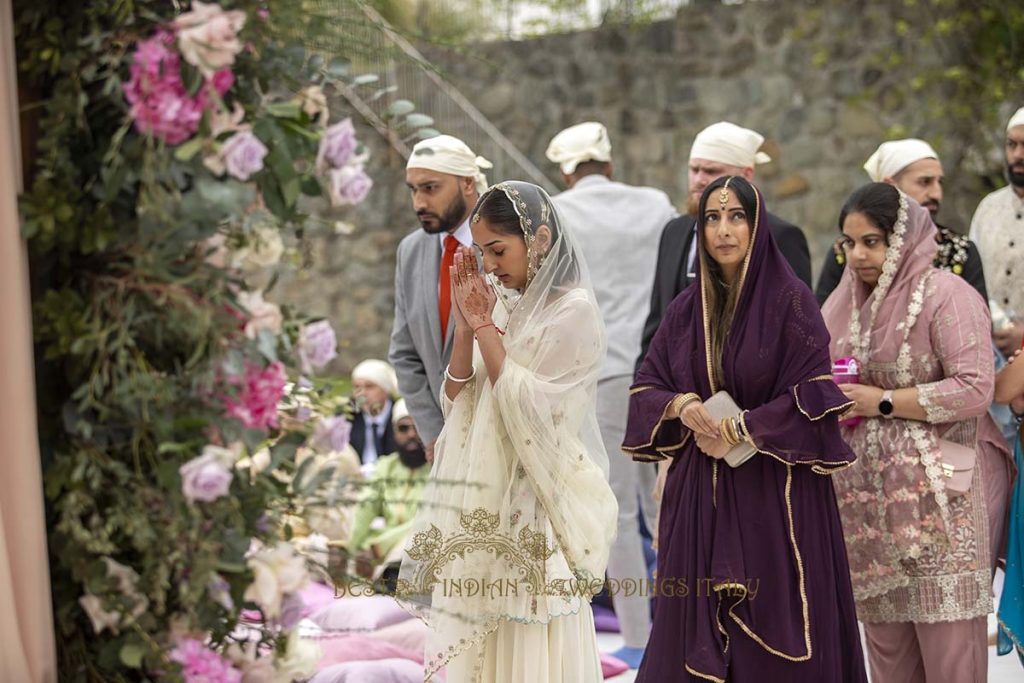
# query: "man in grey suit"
445,179
618,227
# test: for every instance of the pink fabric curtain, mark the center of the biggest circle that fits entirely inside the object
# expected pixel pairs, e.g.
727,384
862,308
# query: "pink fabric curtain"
26,622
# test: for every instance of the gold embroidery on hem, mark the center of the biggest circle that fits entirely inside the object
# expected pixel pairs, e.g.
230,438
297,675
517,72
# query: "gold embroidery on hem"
707,677
803,592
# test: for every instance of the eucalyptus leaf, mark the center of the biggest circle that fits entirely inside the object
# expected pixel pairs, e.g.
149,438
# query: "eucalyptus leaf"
399,108
365,79
418,120
425,133
339,67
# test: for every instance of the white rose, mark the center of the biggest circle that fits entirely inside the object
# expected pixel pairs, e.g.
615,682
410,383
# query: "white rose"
265,315
276,571
300,659
208,36
264,250
314,103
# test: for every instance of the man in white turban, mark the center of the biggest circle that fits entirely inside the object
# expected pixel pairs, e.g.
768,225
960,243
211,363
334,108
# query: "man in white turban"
445,179
998,230
914,167
373,386
721,149
618,227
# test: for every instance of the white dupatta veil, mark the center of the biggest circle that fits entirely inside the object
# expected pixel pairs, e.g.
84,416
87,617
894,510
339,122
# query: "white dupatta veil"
518,518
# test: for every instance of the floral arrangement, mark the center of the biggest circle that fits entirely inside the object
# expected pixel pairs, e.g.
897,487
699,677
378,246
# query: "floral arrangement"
179,158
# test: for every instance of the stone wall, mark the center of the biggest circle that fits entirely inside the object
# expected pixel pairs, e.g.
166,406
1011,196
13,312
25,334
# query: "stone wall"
792,72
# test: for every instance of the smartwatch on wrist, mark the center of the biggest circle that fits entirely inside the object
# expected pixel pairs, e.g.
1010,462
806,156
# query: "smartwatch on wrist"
885,406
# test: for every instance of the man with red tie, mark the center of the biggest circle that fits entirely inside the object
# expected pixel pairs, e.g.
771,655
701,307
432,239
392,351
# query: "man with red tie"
445,178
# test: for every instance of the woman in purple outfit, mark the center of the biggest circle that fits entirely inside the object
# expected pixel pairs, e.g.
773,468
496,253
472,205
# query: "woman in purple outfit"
752,573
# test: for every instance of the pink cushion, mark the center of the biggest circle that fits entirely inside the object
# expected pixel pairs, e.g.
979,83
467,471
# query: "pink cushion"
380,671
360,648
409,635
605,620
316,596
610,666
363,613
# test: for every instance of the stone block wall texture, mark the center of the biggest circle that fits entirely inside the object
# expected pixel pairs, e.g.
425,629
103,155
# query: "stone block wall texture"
794,73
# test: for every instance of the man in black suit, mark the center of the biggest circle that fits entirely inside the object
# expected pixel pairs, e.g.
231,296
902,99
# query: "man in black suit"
720,149
373,385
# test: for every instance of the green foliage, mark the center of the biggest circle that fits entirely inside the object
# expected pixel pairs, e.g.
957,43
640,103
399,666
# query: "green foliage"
140,255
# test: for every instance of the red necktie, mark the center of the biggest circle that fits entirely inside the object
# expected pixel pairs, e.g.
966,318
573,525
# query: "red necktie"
444,299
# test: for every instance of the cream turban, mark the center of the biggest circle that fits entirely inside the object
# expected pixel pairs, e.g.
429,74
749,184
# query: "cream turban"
1016,120
728,143
378,372
398,411
576,144
892,157
446,154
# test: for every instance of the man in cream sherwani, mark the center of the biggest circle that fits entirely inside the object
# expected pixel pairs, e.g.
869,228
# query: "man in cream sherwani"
445,179
618,227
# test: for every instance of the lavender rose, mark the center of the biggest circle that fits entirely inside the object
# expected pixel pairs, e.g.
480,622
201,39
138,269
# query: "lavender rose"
332,433
349,185
243,155
205,478
336,146
318,345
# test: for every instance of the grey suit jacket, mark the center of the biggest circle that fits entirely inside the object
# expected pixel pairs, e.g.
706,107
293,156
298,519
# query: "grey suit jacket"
417,352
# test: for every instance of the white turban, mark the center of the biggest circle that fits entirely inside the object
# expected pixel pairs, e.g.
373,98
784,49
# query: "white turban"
730,144
398,411
378,372
576,144
1016,120
892,157
447,154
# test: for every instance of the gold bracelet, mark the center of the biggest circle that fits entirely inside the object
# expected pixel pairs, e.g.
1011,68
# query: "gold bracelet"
681,401
744,432
728,430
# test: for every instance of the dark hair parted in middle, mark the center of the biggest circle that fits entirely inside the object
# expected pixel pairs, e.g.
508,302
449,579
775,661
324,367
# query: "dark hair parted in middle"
878,202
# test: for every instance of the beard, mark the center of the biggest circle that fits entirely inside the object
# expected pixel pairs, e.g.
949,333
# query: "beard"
692,204
1016,176
413,455
447,221
932,206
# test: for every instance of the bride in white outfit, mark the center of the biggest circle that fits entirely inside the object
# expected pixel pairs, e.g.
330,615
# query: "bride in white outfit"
515,525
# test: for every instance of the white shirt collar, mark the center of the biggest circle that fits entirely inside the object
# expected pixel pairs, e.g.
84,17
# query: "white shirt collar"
463,234
592,179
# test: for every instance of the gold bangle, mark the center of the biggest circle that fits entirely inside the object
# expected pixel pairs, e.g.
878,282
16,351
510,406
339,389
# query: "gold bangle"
728,431
744,432
681,401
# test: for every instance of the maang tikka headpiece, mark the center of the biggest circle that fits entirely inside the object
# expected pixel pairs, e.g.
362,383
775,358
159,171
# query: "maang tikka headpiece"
723,195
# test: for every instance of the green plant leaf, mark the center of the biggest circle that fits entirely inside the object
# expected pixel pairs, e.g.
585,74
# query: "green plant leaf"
365,79
418,120
131,655
284,110
187,150
399,108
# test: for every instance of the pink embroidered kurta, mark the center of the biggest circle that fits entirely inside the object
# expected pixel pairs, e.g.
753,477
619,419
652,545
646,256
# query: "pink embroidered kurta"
916,553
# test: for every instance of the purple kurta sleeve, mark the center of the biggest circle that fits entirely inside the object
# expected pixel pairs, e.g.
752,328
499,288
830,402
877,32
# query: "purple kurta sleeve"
801,427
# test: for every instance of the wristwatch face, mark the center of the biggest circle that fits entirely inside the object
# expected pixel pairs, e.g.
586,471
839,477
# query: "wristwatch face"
885,406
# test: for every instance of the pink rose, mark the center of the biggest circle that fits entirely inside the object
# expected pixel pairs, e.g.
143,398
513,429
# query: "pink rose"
160,104
336,146
318,345
261,390
349,185
208,36
243,155
199,664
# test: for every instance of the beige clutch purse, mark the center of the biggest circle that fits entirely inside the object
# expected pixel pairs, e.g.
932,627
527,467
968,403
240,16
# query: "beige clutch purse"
721,406
957,467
